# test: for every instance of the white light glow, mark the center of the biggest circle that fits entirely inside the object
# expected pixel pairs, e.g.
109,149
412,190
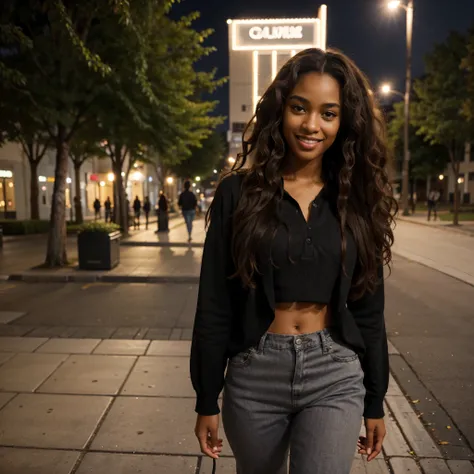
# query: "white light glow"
102,184
229,22
215,171
254,80
386,89
111,177
137,176
10,185
460,180
68,180
7,174
42,179
198,178
198,190
169,179
293,52
150,179
194,185
231,160
393,5
441,177
43,188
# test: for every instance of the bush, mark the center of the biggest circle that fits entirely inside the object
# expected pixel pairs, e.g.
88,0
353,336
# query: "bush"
98,227
14,227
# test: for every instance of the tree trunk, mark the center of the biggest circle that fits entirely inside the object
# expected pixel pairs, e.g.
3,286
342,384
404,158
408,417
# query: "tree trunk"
34,190
77,197
56,253
455,167
120,205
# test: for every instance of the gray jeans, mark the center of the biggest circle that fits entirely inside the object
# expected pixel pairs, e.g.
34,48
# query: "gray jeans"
299,394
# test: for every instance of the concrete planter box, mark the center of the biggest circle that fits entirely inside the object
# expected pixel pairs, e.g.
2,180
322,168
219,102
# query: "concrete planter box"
98,250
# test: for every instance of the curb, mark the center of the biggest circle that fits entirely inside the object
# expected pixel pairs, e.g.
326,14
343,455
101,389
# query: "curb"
147,243
78,278
454,230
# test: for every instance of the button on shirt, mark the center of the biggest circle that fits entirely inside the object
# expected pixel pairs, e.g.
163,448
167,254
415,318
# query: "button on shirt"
306,254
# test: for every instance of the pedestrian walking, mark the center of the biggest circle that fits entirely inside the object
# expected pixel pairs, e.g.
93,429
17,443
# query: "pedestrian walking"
187,202
146,210
97,207
163,214
137,206
433,198
290,312
108,209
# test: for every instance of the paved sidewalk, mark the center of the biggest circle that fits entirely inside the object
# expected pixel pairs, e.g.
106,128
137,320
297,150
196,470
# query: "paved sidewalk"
449,253
421,218
123,406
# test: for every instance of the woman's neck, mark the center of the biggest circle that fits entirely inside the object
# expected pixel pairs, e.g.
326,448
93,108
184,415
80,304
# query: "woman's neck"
304,171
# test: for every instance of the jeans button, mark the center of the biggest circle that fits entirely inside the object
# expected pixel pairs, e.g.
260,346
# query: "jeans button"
298,342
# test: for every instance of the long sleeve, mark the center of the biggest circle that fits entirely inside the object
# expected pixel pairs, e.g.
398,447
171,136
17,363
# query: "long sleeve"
213,318
368,313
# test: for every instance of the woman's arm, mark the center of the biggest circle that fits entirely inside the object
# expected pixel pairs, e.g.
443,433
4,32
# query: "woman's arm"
213,318
368,313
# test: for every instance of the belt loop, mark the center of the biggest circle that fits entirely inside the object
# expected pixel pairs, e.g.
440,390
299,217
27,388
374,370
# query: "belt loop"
261,344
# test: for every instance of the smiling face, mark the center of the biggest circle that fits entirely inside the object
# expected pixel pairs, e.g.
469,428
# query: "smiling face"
312,116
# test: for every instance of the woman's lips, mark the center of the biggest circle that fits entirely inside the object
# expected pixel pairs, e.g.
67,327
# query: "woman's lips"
308,143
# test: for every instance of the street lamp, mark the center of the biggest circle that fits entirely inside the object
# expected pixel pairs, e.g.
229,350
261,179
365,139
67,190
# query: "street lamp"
386,89
231,160
406,152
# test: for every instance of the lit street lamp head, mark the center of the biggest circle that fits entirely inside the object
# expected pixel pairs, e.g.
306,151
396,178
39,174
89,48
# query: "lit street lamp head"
386,89
393,5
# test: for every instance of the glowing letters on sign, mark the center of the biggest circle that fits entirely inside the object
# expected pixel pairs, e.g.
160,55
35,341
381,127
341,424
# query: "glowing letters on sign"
6,174
276,32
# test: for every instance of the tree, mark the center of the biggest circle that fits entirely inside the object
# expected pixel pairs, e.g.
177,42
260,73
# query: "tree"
425,159
467,65
441,96
203,159
85,145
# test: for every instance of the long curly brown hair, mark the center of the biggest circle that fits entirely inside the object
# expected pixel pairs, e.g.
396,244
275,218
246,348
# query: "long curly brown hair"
354,169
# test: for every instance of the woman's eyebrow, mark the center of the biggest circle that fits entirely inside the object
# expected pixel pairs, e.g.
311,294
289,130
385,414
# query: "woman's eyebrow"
306,101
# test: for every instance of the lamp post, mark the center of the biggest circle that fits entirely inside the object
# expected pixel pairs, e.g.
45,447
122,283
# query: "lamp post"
406,152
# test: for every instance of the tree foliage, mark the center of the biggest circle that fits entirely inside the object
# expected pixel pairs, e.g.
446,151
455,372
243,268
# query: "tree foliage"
123,65
442,93
203,159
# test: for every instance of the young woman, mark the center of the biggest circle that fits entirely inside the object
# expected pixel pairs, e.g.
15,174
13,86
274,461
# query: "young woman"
291,295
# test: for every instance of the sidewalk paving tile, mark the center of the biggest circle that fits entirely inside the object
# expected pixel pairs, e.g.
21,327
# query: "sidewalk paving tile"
26,372
17,344
394,442
52,421
418,438
169,348
377,466
461,467
4,356
160,376
5,398
69,346
224,466
95,332
158,333
47,331
39,461
434,466
176,334
125,333
404,466
9,316
122,347
90,374
144,424
134,463
7,330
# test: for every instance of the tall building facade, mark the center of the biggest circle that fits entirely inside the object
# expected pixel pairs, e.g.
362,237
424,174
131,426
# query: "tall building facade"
257,50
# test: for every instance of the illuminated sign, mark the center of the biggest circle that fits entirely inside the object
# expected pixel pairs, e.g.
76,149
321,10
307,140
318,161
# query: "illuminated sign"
283,34
276,32
6,174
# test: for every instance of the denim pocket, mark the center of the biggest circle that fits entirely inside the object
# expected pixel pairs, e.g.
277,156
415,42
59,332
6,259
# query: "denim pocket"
341,353
243,359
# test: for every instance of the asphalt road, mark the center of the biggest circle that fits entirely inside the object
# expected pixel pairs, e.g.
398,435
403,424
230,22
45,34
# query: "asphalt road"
429,320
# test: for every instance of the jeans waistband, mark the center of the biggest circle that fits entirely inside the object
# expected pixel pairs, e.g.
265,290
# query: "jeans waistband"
298,341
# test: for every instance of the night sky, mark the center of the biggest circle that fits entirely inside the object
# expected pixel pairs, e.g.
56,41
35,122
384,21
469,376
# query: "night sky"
365,30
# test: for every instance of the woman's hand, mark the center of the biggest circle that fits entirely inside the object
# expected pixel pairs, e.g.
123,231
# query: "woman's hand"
371,444
206,432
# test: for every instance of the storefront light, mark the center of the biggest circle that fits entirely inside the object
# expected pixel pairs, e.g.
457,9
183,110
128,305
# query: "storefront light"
150,179
102,183
42,179
10,185
123,174
169,180
111,177
43,188
137,176
68,180
6,174
441,177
